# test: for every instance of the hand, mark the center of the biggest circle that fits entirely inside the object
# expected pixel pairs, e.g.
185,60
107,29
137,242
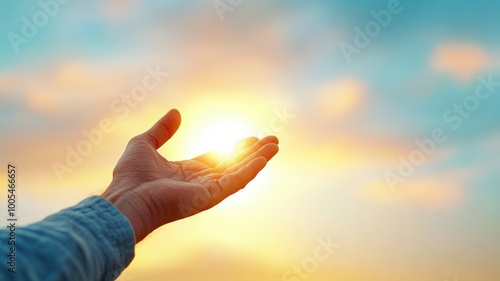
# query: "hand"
152,191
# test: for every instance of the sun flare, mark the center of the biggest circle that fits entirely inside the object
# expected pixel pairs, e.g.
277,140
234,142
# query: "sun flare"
219,133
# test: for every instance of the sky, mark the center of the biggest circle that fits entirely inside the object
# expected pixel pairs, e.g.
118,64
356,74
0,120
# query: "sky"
387,114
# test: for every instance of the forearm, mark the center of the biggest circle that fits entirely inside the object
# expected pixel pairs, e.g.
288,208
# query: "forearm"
90,241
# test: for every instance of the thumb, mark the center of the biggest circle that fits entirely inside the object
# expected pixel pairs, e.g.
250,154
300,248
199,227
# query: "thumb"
163,129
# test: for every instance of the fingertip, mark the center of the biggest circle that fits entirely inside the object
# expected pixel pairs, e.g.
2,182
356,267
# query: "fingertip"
163,129
269,150
270,139
175,114
276,148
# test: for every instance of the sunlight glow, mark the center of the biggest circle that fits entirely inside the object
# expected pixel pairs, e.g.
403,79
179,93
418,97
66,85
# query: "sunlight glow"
219,133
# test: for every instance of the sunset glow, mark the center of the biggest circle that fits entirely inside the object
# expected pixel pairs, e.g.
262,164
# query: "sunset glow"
220,133
273,67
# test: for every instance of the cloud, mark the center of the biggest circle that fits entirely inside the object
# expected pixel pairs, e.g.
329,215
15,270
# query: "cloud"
72,85
442,193
339,98
462,61
117,9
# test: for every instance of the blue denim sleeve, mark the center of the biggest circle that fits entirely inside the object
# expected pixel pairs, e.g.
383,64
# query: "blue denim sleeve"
89,241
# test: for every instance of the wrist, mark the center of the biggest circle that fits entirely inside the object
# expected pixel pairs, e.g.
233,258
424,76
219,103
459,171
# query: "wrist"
125,203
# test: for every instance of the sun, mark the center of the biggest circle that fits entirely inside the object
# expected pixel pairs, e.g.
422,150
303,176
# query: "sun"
214,126
219,133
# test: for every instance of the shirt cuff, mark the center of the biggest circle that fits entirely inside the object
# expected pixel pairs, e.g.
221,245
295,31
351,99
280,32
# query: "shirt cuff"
106,228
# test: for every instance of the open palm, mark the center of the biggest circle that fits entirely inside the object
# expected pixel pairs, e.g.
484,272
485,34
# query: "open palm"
151,190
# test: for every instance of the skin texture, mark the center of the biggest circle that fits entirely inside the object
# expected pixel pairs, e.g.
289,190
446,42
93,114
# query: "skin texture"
152,191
